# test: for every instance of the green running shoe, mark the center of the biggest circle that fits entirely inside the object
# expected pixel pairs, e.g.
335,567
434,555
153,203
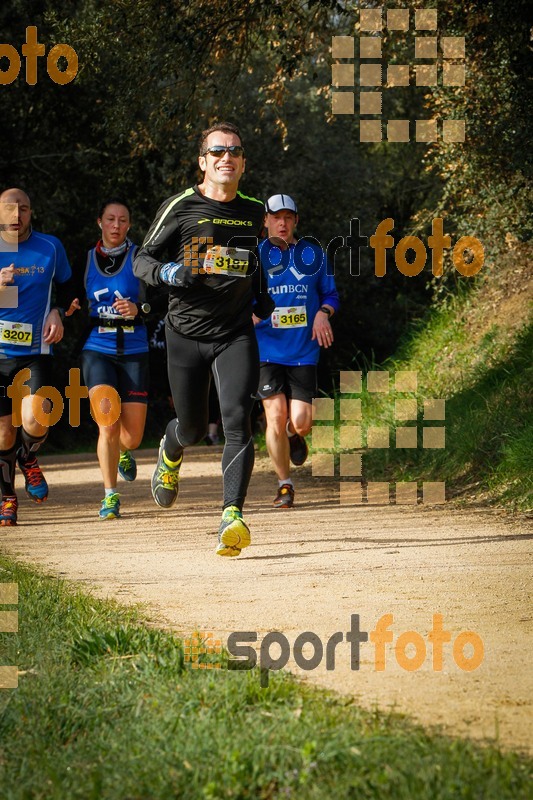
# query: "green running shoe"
165,480
233,534
110,507
127,466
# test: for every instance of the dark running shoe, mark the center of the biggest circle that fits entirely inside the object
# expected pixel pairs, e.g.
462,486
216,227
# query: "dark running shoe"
8,511
127,466
36,485
298,450
284,497
165,480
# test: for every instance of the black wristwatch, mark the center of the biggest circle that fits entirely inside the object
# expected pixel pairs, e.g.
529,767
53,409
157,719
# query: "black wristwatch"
143,308
325,310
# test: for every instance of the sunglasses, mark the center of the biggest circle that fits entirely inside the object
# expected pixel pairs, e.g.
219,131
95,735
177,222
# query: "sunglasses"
218,150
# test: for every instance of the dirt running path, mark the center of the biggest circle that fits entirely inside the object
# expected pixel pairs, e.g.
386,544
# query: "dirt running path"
309,569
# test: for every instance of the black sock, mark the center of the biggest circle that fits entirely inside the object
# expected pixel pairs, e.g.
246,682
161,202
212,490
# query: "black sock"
173,448
8,460
30,444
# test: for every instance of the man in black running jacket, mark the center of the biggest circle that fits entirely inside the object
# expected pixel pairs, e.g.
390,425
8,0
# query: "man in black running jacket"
202,243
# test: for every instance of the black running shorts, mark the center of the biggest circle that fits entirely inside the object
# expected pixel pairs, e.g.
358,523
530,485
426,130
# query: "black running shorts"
297,383
128,374
40,367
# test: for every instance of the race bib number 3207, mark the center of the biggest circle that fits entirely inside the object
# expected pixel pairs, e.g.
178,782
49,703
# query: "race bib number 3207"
17,333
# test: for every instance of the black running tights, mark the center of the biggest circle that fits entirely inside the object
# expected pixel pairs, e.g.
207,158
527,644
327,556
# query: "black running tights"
235,368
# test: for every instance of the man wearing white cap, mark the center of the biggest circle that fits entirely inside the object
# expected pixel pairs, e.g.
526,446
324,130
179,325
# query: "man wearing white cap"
290,341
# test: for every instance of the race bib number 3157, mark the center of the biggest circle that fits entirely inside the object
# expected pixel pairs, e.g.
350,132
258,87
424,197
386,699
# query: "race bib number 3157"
227,261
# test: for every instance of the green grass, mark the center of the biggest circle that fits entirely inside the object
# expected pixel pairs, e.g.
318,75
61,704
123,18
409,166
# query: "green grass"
107,708
486,381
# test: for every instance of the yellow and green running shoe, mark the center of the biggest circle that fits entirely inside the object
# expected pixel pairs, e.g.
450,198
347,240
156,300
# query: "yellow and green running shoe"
165,480
233,533
110,508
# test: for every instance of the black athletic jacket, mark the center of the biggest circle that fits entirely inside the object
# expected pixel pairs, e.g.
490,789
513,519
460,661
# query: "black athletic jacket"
214,307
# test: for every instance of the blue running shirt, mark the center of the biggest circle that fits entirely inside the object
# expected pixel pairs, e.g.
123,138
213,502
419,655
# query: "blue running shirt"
102,291
299,284
39,261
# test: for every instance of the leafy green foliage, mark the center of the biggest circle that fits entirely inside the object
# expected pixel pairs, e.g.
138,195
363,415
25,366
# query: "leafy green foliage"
153,75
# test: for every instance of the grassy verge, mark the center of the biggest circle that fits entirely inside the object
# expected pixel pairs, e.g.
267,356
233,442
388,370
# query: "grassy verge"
480,363
107,708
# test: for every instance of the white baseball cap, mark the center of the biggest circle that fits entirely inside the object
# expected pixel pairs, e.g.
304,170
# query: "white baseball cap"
280,202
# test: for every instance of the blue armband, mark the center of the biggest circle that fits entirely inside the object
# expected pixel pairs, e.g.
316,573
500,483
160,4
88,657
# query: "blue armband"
171,273
177,274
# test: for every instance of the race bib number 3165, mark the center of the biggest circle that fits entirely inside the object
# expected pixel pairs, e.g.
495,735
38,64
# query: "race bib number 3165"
289,317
